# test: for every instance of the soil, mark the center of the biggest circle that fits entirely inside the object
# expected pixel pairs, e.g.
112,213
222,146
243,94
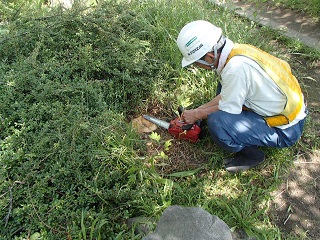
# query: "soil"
296,203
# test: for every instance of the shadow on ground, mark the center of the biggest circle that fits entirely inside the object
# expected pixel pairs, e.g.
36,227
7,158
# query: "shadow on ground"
296,203
292,23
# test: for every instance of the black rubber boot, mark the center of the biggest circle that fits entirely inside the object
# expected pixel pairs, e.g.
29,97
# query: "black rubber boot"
247,158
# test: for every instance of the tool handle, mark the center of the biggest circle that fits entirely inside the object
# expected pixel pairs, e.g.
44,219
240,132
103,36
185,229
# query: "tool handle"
180,110
186,126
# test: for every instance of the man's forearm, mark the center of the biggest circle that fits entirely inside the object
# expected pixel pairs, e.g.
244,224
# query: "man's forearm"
213,102
203,112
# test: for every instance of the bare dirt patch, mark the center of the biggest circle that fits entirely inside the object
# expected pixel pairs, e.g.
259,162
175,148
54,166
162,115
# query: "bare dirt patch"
296,203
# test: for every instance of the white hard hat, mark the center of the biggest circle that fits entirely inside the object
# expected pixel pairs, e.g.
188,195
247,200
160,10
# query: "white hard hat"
196,39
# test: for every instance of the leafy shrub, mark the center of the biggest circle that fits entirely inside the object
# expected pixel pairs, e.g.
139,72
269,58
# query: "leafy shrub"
102,45
68,159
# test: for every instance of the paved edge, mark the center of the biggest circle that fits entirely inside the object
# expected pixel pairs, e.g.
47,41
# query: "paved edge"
253,16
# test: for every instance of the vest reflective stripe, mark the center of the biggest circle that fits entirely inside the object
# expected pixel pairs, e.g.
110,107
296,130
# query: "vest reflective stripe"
280,72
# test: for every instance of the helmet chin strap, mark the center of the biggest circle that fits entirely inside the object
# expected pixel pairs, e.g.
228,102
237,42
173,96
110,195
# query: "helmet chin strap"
211,65
215,60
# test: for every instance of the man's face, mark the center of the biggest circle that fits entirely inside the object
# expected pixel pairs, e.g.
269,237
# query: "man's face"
209,58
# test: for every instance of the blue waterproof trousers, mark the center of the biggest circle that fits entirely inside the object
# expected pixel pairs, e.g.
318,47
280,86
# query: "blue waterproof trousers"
233,132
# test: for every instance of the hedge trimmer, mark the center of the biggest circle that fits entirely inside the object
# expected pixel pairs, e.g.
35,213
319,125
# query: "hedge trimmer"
178,128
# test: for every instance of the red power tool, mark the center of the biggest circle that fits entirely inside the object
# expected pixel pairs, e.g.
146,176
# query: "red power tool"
178,128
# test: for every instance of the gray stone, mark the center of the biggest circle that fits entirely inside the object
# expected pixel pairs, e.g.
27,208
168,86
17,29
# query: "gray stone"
189,223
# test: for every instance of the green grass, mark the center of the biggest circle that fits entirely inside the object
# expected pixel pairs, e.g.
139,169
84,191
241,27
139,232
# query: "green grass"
70,164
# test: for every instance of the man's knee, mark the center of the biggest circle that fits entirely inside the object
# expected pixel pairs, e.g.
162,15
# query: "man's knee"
218,123
217,120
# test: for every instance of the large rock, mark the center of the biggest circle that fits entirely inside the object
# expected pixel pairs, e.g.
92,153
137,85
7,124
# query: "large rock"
189,223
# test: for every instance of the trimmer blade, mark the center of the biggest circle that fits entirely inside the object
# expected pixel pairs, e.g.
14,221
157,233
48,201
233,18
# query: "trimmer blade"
157,121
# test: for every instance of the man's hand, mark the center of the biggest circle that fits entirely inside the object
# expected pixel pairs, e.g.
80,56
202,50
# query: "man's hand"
190,116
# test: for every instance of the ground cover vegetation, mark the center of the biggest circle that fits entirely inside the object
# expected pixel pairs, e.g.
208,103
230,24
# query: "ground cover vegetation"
71,166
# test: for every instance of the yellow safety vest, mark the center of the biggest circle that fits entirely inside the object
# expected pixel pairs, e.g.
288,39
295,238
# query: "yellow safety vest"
280,72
